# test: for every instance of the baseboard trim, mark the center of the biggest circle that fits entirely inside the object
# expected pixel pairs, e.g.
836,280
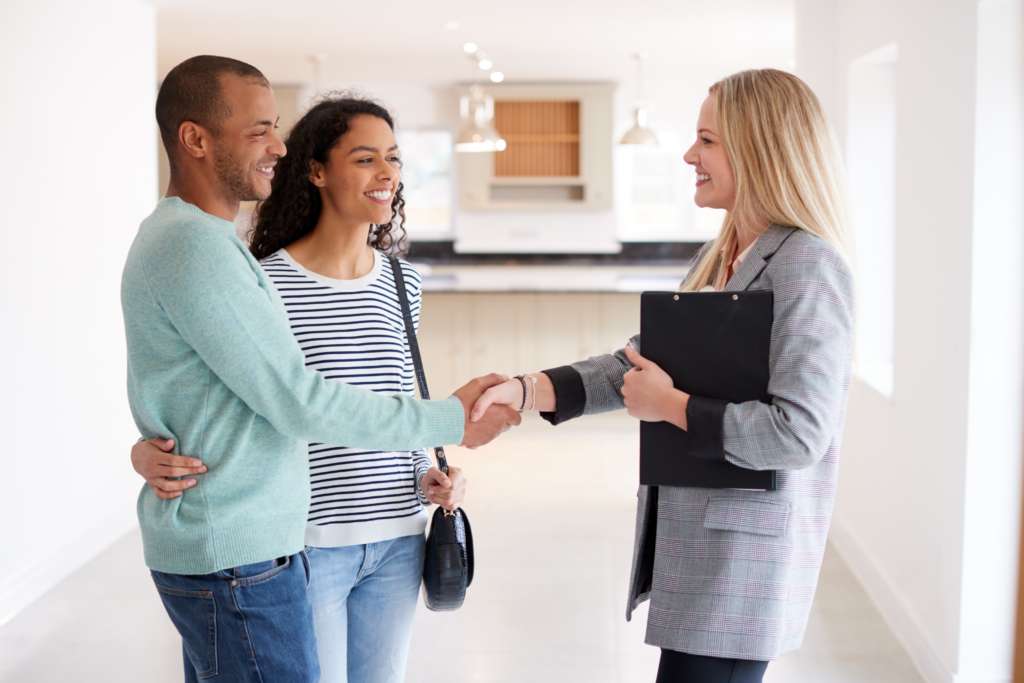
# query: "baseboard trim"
32,582
900,619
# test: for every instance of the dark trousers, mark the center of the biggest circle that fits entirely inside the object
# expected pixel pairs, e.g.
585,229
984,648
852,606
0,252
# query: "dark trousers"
680,667
249,624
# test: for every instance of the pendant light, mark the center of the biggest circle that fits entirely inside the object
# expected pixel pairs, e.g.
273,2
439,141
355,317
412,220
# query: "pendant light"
478,133
640,134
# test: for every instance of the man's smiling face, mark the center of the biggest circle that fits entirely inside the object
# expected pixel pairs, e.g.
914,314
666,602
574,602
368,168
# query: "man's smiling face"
248,146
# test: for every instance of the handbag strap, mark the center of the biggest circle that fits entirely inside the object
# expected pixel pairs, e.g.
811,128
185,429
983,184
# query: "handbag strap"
414,348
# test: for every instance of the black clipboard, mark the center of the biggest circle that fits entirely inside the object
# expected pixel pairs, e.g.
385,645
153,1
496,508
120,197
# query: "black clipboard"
715,345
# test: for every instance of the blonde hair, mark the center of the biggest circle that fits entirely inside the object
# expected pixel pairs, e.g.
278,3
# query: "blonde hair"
785,159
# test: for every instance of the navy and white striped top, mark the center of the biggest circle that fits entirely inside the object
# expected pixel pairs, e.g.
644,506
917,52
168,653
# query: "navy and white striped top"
352,331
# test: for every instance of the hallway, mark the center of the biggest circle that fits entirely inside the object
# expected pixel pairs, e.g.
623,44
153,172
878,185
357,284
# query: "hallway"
552,513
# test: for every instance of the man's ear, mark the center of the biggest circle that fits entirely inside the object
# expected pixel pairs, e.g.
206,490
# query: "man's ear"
195,140
316,173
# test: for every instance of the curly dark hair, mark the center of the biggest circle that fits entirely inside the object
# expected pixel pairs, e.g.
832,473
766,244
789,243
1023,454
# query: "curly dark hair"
293,207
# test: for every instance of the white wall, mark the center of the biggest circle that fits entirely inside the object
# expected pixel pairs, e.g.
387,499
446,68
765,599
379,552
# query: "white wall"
996,390
77,87
928,506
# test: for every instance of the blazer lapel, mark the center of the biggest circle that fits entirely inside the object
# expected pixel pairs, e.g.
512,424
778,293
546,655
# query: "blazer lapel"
764,248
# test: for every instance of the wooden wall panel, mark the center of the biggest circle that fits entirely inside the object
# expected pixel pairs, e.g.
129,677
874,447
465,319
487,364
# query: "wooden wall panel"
466,335
543,138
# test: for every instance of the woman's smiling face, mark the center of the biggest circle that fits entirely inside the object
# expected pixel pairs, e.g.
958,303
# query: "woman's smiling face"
362,172
716,187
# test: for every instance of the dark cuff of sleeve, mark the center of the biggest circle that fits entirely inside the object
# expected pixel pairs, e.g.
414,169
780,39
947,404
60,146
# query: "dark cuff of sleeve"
570,397
705,425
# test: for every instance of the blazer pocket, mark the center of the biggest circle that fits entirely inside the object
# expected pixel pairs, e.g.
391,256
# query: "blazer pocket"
749,516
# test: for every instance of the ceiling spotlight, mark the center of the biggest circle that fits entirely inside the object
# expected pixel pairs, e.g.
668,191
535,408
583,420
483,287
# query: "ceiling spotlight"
485,64
497,76
469,47
451,25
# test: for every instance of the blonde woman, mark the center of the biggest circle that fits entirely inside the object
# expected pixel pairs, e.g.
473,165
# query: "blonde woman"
731,573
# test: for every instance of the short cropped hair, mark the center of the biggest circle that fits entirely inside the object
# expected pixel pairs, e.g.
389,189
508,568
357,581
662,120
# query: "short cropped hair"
192,92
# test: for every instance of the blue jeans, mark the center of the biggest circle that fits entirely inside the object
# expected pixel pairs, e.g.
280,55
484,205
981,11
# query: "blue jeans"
364,599
247,624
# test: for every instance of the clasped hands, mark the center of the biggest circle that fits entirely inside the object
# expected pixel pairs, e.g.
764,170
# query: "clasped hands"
647,391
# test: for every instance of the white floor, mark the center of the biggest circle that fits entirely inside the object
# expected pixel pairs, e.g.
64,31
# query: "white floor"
553,515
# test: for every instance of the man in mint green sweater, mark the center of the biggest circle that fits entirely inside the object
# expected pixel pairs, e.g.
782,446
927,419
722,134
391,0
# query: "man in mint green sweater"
212,363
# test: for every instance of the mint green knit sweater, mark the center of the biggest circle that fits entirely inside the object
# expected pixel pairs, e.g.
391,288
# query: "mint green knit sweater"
212,363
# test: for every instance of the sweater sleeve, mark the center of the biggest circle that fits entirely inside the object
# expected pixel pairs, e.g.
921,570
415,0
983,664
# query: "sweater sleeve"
211,292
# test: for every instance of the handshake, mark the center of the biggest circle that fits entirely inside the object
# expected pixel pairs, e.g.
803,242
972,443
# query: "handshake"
492,405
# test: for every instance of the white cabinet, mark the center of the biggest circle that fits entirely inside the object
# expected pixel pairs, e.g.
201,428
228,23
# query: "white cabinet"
463,336
552,192
559,154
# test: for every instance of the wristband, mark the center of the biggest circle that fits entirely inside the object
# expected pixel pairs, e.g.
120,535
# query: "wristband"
523,382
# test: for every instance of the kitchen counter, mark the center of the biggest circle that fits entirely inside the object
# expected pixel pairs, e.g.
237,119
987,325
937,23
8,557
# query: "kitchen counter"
639,267
550,278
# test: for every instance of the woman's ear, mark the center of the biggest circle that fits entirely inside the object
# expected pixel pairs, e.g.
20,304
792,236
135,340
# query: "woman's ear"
316,173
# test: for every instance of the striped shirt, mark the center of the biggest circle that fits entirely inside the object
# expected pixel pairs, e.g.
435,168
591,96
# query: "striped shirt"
352,331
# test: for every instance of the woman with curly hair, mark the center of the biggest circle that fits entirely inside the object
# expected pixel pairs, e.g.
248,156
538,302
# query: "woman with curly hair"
335,210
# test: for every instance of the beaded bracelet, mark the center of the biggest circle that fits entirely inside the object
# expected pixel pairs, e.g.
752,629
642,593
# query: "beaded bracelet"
523,382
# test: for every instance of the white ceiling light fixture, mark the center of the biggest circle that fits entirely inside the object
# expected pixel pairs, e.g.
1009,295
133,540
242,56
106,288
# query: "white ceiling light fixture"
640,134
497,76
478,133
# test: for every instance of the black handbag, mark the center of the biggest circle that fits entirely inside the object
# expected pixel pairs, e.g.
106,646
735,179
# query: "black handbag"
448,567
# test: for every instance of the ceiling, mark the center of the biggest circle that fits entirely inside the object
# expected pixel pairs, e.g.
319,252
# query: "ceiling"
528,40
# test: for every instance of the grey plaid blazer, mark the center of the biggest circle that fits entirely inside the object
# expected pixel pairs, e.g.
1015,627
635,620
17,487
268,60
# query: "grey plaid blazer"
731,573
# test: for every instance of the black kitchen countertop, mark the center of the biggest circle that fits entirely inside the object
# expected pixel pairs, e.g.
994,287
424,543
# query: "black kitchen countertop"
442,253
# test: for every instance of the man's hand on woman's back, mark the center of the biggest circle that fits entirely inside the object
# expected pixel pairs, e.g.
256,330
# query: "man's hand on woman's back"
153,460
